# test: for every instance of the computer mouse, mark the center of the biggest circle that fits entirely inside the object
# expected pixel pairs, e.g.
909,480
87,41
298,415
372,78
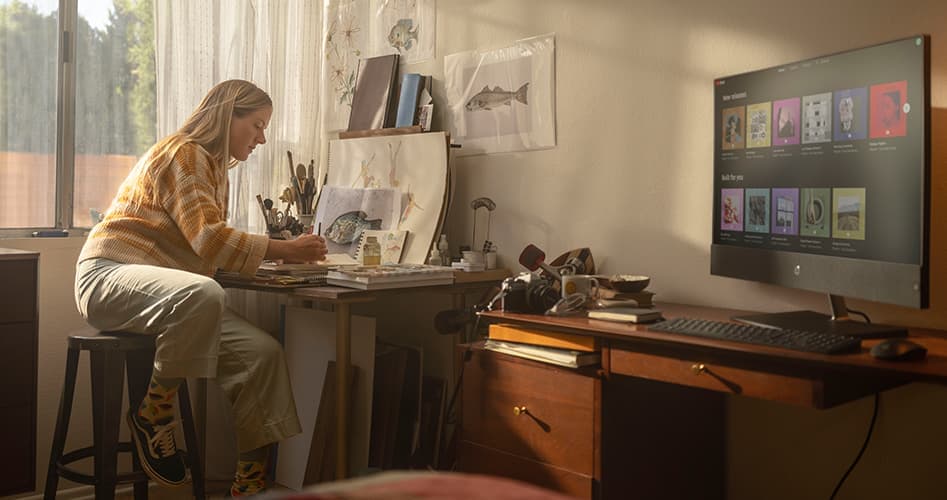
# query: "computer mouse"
898,350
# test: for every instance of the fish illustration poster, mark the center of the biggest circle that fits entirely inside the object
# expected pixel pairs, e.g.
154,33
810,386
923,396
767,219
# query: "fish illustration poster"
503,99
404,27
413,165
344,213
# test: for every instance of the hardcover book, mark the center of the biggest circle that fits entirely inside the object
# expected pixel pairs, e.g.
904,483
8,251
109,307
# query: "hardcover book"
374,86
390,276
411,86
626,314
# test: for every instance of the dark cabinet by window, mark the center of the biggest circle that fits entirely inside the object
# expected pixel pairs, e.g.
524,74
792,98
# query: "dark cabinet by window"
18,351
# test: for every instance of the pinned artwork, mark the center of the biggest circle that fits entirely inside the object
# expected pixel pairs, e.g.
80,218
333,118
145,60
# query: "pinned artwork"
412,165
503,99
404,27
346,38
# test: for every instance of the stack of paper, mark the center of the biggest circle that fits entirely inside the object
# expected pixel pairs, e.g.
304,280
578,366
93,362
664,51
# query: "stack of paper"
561,357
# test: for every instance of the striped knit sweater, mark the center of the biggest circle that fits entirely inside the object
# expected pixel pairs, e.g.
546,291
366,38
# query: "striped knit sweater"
173,214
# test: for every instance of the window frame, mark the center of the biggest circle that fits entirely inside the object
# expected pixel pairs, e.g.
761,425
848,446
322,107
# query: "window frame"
65,127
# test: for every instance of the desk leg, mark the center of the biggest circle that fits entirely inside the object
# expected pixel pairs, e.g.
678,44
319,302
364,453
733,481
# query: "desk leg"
343,363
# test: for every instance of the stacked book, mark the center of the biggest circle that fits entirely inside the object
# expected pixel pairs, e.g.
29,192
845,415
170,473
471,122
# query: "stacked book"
311,274
390,276
643,298
562,349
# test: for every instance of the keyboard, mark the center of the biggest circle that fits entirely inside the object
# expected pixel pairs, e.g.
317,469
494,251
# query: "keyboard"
799,340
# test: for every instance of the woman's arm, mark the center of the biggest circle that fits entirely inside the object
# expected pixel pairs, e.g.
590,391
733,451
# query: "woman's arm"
306,248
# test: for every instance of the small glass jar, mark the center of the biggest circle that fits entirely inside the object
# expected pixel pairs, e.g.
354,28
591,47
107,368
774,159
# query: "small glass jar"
371,252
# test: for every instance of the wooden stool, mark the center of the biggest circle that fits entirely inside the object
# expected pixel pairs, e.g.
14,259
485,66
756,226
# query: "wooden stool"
111,353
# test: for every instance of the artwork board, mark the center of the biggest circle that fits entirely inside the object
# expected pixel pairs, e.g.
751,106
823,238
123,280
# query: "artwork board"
413,164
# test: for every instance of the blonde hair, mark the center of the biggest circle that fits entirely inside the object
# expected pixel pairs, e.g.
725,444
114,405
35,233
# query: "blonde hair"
209,123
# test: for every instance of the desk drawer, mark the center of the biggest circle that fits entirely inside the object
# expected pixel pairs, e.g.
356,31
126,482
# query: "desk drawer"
559,426
722,378
477,459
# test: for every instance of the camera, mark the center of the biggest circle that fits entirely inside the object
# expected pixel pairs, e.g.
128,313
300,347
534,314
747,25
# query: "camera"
528,293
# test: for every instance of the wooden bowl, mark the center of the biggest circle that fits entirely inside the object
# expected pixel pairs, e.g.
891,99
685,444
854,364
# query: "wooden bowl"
628,282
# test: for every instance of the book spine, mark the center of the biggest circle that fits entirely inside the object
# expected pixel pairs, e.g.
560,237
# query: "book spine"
408,100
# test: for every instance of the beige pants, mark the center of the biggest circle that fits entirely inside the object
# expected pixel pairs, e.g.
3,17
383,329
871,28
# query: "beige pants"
197,337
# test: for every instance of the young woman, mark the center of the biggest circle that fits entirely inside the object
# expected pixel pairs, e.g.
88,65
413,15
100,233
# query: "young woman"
147,268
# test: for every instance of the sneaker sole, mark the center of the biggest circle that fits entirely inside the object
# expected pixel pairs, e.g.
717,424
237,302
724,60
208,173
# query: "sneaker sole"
143,462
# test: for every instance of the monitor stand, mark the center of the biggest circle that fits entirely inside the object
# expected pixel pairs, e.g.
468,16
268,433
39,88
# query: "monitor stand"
838,323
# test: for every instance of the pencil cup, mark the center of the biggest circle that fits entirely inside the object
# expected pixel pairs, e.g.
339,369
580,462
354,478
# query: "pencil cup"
306,221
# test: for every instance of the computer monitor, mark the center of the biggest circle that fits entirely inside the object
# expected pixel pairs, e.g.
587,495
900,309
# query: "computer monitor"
822,181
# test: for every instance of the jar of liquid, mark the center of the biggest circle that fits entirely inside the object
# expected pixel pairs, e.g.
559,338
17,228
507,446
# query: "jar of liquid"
371,252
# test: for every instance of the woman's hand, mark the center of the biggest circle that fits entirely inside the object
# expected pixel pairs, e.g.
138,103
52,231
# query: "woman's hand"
305,248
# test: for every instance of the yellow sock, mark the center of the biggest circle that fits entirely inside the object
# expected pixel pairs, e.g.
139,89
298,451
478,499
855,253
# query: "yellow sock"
249,479
158,405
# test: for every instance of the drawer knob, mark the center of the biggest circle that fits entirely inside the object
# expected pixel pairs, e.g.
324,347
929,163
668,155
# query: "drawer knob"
698,368
519,410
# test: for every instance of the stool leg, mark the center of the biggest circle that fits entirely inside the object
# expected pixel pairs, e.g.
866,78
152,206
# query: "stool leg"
190,439
108,377
62,423
138,366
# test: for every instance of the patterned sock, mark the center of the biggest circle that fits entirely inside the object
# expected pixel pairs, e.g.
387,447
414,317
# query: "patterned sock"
158,405
250,476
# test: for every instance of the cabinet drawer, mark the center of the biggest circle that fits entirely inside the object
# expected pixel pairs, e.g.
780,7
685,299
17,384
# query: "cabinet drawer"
18,352
18,293
477,459
559,425
694,373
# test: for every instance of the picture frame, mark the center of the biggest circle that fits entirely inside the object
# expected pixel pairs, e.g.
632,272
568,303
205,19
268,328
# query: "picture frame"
503,99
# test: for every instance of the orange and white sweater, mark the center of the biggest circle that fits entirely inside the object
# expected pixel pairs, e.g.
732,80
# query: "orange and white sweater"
174,214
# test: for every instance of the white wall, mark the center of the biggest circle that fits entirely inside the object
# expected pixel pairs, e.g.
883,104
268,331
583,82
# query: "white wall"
631,179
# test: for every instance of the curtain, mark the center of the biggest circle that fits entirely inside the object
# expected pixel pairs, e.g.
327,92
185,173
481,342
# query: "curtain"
276,44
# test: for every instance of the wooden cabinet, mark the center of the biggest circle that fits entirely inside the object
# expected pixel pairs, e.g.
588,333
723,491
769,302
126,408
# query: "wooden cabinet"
589,435
18,348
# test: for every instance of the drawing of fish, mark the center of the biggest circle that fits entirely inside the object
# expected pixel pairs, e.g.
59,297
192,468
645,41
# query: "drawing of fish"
488,99
349,226
402,36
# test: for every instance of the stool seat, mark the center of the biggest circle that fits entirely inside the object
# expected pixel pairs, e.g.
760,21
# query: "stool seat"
93,340
112,357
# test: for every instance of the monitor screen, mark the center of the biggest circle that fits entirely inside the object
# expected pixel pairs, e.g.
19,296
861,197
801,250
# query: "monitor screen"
821,173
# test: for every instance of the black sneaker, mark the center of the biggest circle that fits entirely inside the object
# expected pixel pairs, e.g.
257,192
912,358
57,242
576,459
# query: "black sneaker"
157,453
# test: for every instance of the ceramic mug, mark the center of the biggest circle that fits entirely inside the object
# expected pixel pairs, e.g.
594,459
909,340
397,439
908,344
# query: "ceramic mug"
579,283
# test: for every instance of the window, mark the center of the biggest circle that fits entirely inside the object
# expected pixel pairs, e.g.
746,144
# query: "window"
69,133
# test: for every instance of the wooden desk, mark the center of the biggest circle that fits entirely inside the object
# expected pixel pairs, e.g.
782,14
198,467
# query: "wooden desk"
341,299
628,419
838,372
